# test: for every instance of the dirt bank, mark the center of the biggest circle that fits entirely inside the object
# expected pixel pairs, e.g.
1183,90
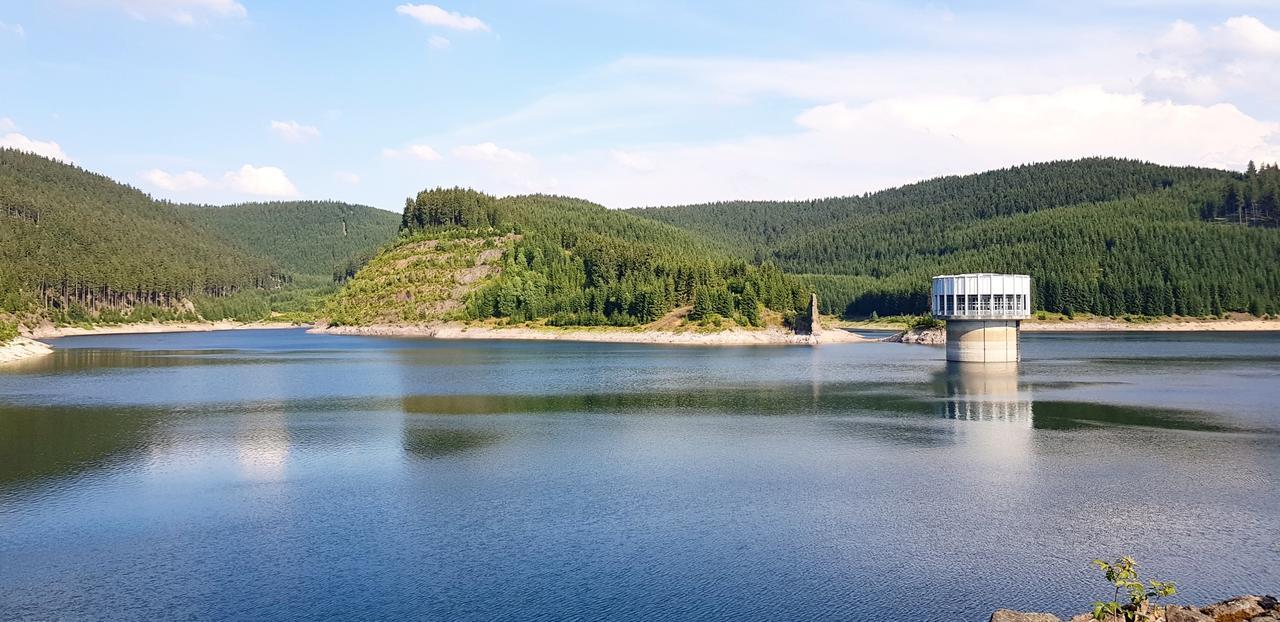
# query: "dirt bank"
727,337
22,348
50,331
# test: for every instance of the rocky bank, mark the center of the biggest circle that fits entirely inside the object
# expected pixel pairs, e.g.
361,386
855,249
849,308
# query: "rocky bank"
21,348
926,336
1239,609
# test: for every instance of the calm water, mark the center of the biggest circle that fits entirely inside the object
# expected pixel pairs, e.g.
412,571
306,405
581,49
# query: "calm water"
279,475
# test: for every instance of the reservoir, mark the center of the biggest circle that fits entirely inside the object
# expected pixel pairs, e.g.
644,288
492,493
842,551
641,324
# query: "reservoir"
276,474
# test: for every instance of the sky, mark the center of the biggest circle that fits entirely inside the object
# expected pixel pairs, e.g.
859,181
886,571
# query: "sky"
625,102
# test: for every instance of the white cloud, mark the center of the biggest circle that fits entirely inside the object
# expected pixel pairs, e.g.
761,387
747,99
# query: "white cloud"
294,132
412,152
7,124
15,29
48,149
186,12
433,15
260,180
346,177
438,43
633,160
176,182
1237,59
844,148
489,152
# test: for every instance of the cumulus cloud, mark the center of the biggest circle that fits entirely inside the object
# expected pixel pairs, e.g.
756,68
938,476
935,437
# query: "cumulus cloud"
845,148
186,12
489,152
176,182
293,131
412,152
433,15
1239,57
267,181
346,177
436,42
21,142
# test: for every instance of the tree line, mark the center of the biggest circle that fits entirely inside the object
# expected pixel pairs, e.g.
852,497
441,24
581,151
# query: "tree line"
1101,236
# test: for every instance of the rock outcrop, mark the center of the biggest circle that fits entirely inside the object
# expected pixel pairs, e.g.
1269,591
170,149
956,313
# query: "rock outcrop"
815,323
927,336
1238,609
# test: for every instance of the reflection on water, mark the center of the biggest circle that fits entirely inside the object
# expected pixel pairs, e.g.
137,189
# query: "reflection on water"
283,475
985,392
433,442
262,446
39,443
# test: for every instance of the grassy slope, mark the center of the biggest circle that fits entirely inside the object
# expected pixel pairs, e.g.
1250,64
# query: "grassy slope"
418,279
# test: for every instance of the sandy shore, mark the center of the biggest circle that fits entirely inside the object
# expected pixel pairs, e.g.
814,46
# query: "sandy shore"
22,348
728,337
1107,325
50,332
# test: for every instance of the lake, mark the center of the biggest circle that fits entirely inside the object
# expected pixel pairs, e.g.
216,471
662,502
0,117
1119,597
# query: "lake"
280,475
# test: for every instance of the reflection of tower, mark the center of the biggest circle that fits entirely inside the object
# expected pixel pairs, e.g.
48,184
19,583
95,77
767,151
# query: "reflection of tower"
982,313
985,393
992,423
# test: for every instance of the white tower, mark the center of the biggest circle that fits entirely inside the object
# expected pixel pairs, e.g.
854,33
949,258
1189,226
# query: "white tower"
982,313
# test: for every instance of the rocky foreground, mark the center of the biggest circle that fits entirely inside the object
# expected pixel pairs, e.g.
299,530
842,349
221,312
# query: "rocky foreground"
1238,609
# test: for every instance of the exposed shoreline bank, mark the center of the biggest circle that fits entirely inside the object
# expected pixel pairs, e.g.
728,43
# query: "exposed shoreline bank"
22,348
53,332
1172,325
1107,325
728,337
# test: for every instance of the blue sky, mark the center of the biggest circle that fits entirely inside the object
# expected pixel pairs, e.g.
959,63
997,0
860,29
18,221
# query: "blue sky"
626,102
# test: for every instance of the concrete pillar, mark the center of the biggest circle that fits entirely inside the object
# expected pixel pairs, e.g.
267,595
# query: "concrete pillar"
982,341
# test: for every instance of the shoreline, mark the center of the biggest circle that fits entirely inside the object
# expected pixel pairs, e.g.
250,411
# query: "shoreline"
21,349
54,332
728,337
1115,326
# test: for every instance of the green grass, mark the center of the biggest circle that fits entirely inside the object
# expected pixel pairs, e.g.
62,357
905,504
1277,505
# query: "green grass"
422,278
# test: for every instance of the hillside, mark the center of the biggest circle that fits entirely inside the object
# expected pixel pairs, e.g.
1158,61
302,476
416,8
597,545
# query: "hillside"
557,260
312,238
73,243
1105,236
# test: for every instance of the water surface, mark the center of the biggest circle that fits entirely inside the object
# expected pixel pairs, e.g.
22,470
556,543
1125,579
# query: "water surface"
279,475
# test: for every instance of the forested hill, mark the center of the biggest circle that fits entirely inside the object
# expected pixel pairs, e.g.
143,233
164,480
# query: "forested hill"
1105,236
562,261
303,237
72,240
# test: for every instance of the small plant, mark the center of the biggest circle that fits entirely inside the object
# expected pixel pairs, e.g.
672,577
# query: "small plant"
8,332
923,322
1123,574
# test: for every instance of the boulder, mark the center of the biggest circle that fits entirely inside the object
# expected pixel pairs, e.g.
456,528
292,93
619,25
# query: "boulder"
1237,609
1009,615
1174,613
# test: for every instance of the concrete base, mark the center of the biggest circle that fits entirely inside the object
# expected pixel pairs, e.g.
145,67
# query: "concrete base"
982,341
